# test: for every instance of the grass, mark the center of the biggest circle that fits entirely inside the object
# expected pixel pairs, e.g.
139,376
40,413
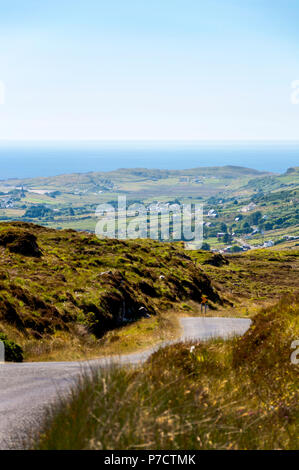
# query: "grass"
236,394
255,278
80,345
63,304
78,283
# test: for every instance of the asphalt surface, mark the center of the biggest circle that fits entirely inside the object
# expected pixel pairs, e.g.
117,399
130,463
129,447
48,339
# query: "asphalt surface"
27,388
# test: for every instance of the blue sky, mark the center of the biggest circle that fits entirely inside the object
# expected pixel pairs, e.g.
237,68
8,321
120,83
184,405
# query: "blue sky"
167,69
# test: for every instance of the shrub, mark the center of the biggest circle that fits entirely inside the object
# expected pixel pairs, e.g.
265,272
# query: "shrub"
13,352
220,394
205,246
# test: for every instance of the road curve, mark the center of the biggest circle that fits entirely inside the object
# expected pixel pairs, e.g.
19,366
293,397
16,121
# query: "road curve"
26,388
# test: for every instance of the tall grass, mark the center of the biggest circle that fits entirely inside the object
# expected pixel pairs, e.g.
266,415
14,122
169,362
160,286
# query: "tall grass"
237,394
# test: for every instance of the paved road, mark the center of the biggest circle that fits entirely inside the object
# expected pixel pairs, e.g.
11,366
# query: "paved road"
26,388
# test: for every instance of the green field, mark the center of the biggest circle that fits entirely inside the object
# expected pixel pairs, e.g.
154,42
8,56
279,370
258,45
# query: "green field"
70,201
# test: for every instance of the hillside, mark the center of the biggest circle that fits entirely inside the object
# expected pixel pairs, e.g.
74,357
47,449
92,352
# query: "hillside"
240,394
69,201
94,180
56,283
243,208
61,291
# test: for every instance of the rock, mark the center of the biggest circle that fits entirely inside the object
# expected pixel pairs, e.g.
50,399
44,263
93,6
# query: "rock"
21,242
143,311
217,260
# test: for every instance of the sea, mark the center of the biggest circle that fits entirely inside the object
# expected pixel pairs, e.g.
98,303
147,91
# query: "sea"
35,159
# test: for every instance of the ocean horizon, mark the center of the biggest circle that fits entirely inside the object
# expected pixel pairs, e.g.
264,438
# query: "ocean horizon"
37,159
